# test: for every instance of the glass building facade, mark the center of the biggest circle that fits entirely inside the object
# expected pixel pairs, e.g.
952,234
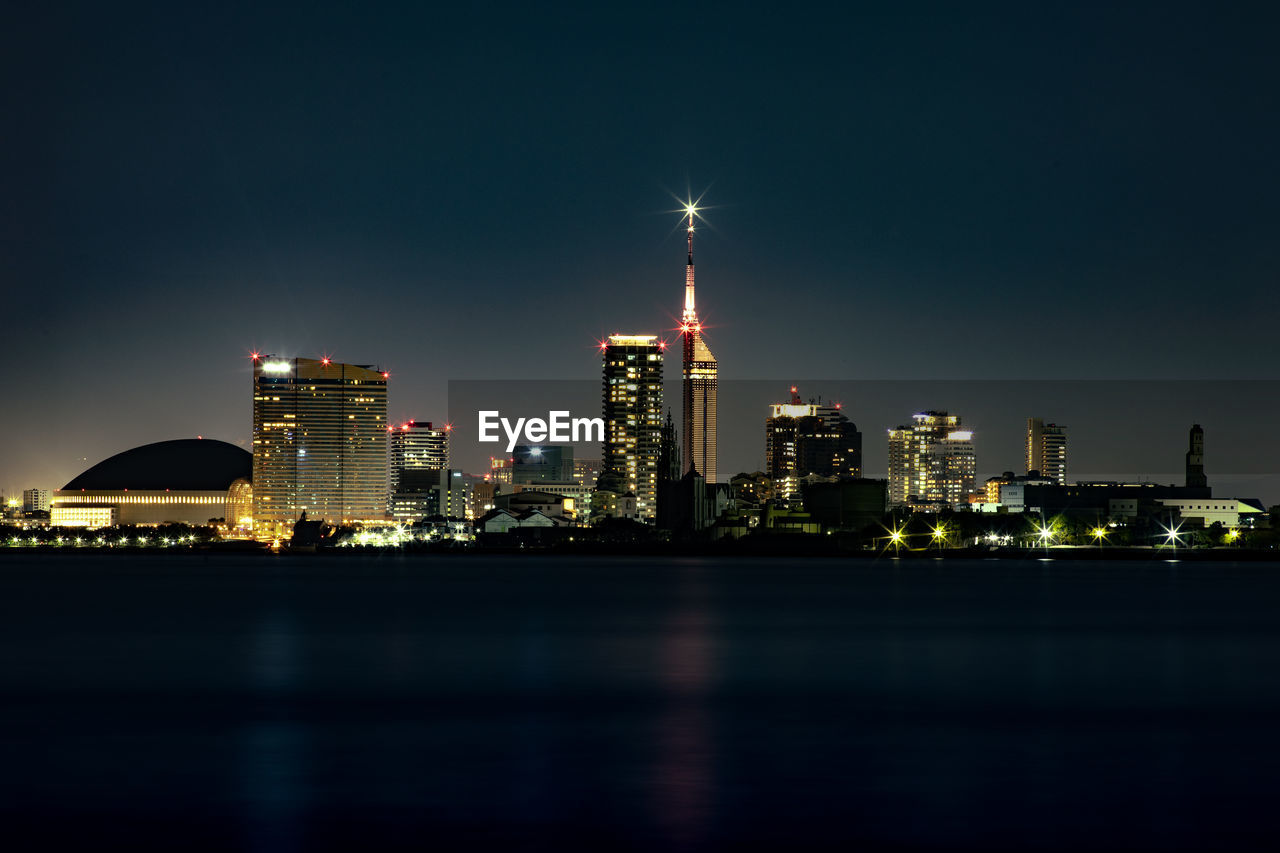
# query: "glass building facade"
319,443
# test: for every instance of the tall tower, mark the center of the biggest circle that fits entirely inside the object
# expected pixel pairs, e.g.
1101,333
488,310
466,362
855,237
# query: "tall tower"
1047,450
633,416
319,442
698,423
1195,459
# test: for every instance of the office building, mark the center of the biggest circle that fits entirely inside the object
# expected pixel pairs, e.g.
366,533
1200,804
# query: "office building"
809,438
416,445
632,410
698,384
1047,450
932,462
319,443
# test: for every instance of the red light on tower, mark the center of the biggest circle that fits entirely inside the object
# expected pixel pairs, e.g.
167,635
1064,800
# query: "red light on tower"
325,361
386,374
448,427
255,355
662,345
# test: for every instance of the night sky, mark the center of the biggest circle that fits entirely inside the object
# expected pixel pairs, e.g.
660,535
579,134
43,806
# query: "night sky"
454,192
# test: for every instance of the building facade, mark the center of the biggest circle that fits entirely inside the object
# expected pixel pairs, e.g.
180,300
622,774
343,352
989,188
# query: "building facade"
35,500
809,438
319,443
632,410
699,372
931,461
416,445
1047,450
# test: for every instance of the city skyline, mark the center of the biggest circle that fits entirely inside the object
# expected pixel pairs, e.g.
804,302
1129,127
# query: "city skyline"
889,188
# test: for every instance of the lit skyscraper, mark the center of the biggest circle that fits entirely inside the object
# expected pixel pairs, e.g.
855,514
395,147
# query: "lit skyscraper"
931,461
1047,450
416,445
698,424
319,442
809,438
633,415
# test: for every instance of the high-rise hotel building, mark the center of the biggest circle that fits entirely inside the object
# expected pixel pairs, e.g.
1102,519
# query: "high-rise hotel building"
1047,450
699,372
932,461
319,442
632,413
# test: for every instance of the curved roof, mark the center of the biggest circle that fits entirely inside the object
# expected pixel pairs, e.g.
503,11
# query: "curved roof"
185,464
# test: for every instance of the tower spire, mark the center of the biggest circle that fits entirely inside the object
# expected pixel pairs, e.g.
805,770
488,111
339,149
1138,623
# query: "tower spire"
690,316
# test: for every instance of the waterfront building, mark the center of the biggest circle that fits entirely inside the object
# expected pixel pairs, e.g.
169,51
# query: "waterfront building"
1047,450
415,445
185,481
932,462
809,438
632,411
699,372
35,500
319,443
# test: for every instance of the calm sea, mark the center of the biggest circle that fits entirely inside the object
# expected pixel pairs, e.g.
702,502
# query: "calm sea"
534,703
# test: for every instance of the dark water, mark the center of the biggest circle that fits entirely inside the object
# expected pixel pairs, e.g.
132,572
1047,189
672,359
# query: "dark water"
415,703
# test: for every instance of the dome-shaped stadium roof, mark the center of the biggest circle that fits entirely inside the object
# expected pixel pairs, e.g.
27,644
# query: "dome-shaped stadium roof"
186,464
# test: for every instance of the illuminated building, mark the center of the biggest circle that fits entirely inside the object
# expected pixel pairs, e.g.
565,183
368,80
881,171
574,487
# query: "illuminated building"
187,481
632,410
1047,450
1195,459
415,445
239,517
698,384
931,462
809,438
500,469
319,443
586,471
35,500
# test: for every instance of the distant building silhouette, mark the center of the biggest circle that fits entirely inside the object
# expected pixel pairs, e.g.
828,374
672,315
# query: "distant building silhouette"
1195,459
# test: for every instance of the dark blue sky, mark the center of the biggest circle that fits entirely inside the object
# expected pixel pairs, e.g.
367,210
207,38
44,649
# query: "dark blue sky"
925,191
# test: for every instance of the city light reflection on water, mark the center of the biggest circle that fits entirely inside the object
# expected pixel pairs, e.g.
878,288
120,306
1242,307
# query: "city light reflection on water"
392,702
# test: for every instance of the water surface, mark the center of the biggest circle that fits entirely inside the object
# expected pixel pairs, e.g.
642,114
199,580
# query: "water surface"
540,703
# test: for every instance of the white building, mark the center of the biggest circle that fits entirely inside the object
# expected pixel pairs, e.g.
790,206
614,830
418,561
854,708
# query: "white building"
35,500
1225,511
